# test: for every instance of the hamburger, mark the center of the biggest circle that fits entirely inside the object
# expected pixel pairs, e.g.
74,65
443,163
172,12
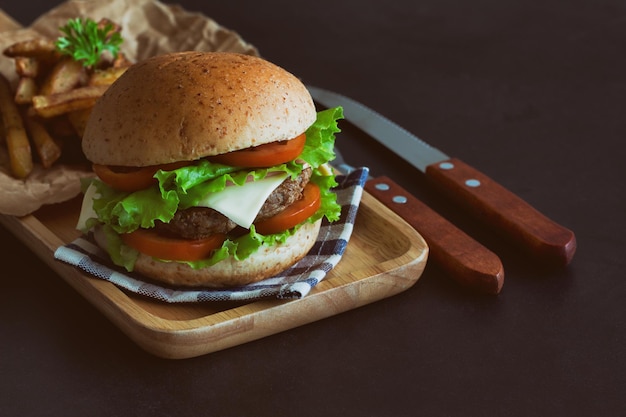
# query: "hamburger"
211,169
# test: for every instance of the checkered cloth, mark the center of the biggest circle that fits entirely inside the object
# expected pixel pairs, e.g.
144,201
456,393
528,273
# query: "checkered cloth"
295,282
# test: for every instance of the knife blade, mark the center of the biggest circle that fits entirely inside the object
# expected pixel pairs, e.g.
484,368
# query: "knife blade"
505,212
464,259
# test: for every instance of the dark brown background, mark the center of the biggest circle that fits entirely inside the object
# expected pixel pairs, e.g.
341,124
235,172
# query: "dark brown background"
531,92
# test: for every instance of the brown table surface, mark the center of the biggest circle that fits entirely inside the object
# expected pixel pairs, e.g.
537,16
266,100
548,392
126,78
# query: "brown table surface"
531,92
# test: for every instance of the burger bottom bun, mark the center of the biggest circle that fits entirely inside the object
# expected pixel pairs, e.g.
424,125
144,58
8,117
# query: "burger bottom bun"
265,263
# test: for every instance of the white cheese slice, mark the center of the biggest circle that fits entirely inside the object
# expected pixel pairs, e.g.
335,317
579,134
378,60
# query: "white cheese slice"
86,210
242,203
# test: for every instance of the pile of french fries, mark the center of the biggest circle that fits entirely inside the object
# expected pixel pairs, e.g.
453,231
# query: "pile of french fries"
48,109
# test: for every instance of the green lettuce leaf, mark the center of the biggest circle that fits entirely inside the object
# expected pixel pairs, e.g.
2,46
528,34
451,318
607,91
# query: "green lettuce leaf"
191,184
320,137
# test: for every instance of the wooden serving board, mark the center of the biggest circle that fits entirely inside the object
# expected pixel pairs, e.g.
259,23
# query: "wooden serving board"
385,256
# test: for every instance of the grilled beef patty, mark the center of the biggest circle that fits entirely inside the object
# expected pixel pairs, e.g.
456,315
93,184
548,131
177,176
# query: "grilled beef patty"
201,222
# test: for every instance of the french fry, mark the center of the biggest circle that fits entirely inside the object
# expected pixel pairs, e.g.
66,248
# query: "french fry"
36,47
62,103
105,21
64,76
27,66
25,91
121,61
106,76
46,147
18,145
78,119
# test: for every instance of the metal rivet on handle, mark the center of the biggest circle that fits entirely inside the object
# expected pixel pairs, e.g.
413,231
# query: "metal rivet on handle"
446,165
472,183
400,199
382,186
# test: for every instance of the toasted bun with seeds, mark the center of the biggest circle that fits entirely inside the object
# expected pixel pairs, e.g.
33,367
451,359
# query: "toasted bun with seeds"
188,105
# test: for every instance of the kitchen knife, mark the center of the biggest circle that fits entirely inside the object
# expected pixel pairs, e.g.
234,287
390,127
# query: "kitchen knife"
464,259
507,213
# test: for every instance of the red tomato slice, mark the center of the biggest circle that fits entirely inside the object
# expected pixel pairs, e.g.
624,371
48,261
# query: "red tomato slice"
294,214
132,179
175,249
263,156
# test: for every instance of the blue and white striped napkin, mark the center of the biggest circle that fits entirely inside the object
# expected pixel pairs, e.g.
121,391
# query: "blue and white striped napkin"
295,282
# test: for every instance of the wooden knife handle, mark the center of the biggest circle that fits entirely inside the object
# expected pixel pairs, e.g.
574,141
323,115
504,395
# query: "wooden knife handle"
506,212
464,259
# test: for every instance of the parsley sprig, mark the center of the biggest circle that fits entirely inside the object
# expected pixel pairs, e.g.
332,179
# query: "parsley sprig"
86,41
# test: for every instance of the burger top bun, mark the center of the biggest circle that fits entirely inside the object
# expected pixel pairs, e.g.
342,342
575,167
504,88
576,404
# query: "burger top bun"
187,105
